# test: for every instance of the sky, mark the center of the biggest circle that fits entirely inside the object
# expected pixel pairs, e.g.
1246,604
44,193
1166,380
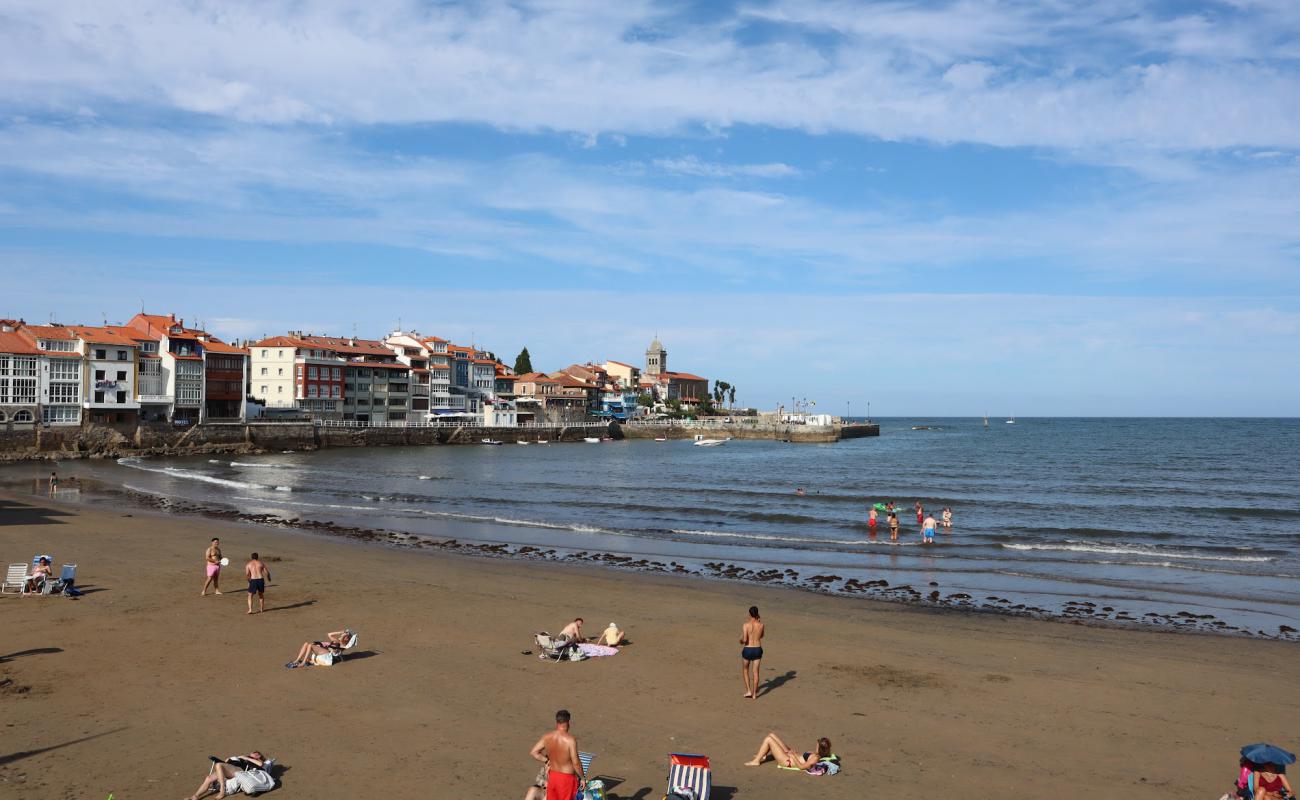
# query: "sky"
938,208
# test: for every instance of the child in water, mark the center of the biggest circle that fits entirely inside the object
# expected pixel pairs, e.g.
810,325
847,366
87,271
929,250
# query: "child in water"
947,519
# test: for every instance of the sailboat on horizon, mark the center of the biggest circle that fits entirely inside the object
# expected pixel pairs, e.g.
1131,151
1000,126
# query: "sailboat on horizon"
1012,421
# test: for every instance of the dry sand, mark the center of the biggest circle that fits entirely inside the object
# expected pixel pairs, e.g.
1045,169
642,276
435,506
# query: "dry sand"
129,688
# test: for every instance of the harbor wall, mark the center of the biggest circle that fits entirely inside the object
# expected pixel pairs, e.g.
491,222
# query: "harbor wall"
156,439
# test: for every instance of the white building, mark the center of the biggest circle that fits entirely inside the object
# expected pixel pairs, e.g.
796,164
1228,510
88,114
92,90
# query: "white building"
108,395
62,368
20,373
293,376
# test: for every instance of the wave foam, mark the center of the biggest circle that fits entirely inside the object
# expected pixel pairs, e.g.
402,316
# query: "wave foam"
1122,550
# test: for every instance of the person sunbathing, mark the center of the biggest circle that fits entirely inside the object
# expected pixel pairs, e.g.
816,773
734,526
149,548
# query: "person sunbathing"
1271,784
781,753
611,636
41,573
333,644
225,776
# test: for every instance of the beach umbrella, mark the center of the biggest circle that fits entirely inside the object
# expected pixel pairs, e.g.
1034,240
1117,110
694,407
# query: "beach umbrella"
1267,754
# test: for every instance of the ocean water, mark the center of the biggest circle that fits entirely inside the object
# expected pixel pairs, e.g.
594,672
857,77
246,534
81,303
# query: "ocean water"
1140,516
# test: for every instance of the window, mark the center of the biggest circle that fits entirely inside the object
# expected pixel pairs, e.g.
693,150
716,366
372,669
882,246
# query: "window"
300,372
57,345
312,390
263,370
264,392
99,397
279,354
311,373
121,375
149,347
101,354
60,415
121,397
264,354
23,416
64,393
279,390
337,373
99,374
336,391
121,355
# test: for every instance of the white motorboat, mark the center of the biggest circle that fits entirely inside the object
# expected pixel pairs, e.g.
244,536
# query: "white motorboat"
490,441
543,441
661,438
700,441
591,439
521,441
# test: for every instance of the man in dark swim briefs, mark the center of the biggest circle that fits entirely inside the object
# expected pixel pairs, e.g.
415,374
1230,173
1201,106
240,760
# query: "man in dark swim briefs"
257,573
751,652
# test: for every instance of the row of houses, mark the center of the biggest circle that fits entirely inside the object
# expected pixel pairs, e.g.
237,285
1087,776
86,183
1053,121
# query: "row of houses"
157,369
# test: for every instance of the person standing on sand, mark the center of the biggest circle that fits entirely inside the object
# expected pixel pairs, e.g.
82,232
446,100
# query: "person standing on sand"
893,527
927,530
751,651
54,482
871,523
558,750
257,573
213,559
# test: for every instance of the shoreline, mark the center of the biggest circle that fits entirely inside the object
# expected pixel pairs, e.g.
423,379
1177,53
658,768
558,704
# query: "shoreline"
972,704
1080,612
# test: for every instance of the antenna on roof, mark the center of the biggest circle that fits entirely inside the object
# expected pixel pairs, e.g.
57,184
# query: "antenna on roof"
141,305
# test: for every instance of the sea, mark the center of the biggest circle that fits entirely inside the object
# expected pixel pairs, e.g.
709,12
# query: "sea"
1190,524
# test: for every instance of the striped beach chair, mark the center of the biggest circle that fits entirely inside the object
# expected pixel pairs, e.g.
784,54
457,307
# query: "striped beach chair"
690,771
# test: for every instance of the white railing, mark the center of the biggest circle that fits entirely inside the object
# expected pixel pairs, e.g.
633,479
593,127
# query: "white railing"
352,423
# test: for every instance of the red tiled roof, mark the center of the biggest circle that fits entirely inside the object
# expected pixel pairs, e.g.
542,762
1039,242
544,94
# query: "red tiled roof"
684,376
16,343
433,339
214,345
50,331
281,341
620,363
101,335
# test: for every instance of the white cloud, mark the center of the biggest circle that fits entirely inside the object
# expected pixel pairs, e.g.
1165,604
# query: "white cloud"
693,166
1070,75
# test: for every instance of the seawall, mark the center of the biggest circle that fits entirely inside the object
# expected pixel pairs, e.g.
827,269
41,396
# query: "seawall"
749,428
107,441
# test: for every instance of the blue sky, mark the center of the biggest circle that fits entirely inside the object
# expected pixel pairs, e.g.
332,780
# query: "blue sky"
939,207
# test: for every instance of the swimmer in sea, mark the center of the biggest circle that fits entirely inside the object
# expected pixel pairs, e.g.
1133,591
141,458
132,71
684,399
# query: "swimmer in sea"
871,523
893,527
947,519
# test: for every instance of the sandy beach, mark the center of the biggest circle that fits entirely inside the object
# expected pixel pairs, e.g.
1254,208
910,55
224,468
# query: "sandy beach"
129,688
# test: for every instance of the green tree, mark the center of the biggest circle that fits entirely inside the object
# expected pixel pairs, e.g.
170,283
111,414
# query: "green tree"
731,396
523,362
645,399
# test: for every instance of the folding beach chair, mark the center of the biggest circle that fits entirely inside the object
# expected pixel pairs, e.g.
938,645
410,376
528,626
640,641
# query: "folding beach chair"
15,578
67,578
690,772
586,759
348,645
554,649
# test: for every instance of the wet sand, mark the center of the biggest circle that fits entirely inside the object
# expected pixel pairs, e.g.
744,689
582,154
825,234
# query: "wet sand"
129,688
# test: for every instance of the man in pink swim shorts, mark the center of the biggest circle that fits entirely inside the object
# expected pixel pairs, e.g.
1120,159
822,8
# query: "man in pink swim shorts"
213,559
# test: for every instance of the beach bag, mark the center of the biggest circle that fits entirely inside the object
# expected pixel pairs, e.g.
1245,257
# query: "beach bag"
830,765
575,654
680,793
254,781
595,791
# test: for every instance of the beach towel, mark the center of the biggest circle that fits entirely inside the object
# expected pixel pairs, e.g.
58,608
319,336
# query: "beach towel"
830,765
250,781
597,650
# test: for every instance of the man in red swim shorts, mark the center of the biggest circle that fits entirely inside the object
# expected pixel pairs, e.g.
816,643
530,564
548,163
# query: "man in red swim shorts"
558,750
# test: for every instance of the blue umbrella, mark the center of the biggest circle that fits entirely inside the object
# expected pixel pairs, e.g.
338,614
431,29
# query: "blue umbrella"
1267,754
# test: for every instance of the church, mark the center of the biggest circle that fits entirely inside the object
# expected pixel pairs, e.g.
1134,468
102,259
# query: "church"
667,385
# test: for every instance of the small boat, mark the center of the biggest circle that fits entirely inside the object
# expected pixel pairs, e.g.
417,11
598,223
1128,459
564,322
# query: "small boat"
521,441
700,441
1011,421
591,440
924,428
490,441
543,441
661,438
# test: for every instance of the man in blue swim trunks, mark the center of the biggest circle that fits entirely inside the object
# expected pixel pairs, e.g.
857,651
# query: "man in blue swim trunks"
751,651
257,573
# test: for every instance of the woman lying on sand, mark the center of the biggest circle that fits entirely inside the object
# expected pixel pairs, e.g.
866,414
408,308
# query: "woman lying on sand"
236,774
784,756
334,642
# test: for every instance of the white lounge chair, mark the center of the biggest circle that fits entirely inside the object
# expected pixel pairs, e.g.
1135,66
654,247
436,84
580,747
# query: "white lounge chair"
16,578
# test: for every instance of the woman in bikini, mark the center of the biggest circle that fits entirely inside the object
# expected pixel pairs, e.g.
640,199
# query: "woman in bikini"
224,771
786,757
334,642
1270,784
